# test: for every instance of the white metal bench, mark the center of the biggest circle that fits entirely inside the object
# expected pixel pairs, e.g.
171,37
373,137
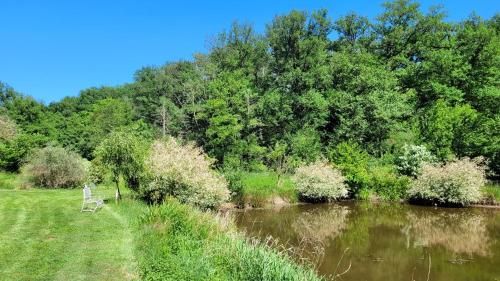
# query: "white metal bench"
90,203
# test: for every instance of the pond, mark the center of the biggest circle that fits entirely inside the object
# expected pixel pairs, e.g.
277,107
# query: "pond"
362,241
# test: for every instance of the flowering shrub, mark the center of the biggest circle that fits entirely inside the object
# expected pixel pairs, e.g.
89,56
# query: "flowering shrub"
457,182
56,167
413,157
319,182
183,171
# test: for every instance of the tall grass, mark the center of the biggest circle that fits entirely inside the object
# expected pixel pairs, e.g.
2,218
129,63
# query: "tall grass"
177,242
492,191
258,188
10,180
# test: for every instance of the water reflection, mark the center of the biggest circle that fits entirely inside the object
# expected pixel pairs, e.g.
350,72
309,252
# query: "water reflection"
386,241
321,226
460,232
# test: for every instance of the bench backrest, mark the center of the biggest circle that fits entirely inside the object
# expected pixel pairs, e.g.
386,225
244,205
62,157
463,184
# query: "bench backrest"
87,194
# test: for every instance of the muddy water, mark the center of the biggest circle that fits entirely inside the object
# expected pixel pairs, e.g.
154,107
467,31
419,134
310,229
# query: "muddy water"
362,241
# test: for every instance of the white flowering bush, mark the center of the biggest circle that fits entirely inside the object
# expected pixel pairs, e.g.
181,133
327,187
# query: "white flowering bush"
183,171
412,158
319,182
457,183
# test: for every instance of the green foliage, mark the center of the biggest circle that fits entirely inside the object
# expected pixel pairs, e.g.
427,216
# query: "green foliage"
185,172
458,182
366,194
411,160
307,84
353,162
123,154
306,145
13,153
387,184
319,182
442,127
56,167
10,181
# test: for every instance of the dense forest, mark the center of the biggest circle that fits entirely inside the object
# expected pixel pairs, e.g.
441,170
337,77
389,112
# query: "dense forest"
351,90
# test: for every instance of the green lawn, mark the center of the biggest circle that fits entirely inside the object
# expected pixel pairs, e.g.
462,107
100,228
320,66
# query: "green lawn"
44,236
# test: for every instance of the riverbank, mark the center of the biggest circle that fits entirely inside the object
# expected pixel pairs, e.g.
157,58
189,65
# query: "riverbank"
129,240
267,190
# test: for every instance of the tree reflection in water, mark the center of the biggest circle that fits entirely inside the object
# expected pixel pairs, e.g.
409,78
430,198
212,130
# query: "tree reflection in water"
459,232
385,241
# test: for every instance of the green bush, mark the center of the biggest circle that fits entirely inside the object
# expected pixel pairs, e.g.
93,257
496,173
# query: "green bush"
353,161
366,194
183,171
492,191
456,183
411,160
55,167
13,152
387,184
122,153
319,182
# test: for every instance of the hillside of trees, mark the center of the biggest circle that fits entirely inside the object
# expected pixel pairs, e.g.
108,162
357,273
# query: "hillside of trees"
309,87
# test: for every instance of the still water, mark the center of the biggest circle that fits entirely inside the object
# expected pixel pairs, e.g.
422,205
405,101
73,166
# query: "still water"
363,241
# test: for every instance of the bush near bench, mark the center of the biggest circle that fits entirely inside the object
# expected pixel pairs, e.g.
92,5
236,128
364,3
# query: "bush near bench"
185,172
55,167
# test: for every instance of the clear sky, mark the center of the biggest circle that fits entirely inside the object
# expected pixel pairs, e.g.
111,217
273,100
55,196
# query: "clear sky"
51,49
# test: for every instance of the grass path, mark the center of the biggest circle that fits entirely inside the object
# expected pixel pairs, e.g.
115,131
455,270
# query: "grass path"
44,236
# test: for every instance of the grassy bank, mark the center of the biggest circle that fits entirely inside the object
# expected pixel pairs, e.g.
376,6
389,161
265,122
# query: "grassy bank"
44,236
259,189
492,191
178,243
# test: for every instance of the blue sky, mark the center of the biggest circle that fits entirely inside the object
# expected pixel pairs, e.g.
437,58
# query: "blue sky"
51,49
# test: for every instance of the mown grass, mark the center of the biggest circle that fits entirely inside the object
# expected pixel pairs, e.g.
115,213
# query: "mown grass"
258,188
44,236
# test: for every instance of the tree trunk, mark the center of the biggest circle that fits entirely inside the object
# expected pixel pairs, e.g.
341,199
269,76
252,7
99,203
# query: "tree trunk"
118,195
163,119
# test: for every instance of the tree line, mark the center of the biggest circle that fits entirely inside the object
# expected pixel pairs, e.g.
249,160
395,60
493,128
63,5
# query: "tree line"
309,87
